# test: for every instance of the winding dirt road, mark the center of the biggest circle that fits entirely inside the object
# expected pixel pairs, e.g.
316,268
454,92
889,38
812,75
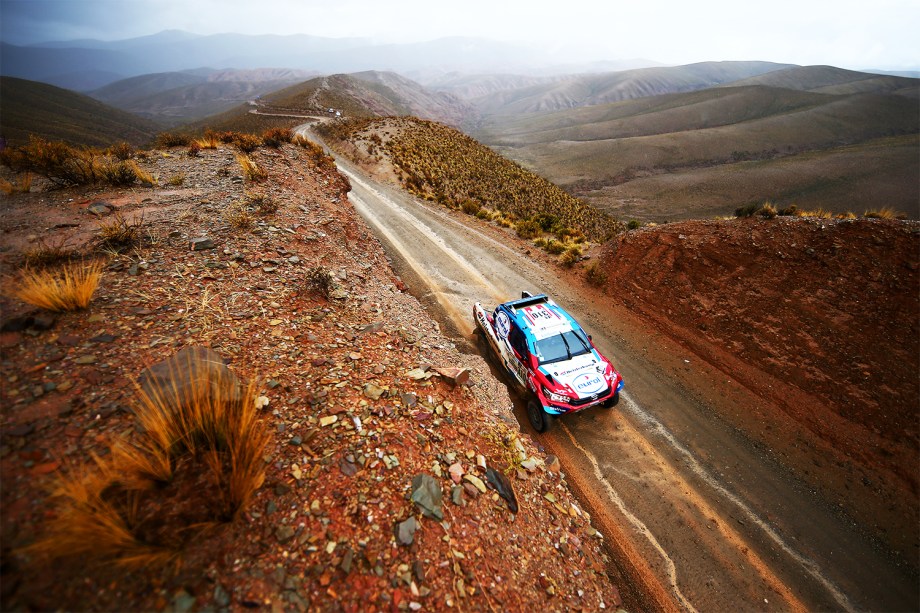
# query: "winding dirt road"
698,517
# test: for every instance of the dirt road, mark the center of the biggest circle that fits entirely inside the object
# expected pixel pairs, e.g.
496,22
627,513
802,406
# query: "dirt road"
698,516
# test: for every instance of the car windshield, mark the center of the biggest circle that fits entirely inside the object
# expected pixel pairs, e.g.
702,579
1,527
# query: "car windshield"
561,347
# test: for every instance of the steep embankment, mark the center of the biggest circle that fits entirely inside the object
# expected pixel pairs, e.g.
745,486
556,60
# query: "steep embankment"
819,316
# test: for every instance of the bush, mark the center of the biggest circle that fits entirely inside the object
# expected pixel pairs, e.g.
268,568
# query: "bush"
884,213
119,173
275,137
747,211
789,211
595,275
554,246
123,151
20,185
528,229
570,256
194,149
247,143
470,207
767,211
165,140
634,224
69,288
58,162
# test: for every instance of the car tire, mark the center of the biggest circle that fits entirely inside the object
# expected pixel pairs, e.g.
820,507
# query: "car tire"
612,402
539,419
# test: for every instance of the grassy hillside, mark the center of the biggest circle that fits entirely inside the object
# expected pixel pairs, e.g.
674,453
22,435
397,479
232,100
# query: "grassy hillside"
677,156
36,108
440,164
175,98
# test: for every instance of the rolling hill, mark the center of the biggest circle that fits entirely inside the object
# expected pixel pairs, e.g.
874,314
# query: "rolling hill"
593,89
708,152
366,94
59,114
173,98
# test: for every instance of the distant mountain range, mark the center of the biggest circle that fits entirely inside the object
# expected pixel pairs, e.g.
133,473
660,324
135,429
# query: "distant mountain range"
85,65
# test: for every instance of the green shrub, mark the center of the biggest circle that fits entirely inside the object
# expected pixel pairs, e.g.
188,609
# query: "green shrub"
528,228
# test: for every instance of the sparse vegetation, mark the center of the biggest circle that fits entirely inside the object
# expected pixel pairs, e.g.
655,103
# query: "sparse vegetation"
67,288
177,179
442,165
320,281
65,165
194,149
165,140
633,224
251,170
119,235
122,151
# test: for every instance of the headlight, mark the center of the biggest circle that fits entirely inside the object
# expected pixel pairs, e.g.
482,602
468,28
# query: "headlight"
556,397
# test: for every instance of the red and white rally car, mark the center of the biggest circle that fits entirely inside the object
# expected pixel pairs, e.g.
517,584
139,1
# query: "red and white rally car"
548,357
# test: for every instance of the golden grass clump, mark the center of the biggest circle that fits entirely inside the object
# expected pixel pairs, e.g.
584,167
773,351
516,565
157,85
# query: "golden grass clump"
196,465
239,217
251,170
67,288
19,185
210,140
884,213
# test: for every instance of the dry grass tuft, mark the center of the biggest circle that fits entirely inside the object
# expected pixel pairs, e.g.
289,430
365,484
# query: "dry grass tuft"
252,171
20,185
197,464
120,235
44,255
68,288
239,217
884,213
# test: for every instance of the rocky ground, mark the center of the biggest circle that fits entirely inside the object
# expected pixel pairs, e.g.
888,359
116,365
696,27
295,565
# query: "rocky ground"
355,410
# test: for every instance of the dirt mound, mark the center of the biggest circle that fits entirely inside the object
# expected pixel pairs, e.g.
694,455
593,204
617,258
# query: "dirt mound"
818,316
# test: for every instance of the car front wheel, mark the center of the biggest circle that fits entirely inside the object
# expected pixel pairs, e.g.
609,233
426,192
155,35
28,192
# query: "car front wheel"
539,419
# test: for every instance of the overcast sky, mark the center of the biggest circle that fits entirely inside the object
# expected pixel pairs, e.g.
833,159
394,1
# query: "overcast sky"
845,33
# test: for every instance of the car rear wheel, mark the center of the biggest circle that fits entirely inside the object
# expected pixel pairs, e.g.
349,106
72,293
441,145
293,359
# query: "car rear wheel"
539,419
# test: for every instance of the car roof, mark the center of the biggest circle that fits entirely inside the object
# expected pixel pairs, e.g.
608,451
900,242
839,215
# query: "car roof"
539,317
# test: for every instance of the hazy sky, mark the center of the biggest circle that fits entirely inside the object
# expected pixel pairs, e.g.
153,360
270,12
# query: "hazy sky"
845,33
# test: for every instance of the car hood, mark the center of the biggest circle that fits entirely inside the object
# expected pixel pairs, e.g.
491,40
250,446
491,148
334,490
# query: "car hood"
578,375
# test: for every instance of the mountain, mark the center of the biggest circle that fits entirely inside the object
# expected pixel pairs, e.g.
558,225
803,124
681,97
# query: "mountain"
36,108
593,89
172,98
90,64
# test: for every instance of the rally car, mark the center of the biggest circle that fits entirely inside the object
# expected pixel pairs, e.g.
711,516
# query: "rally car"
548,357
